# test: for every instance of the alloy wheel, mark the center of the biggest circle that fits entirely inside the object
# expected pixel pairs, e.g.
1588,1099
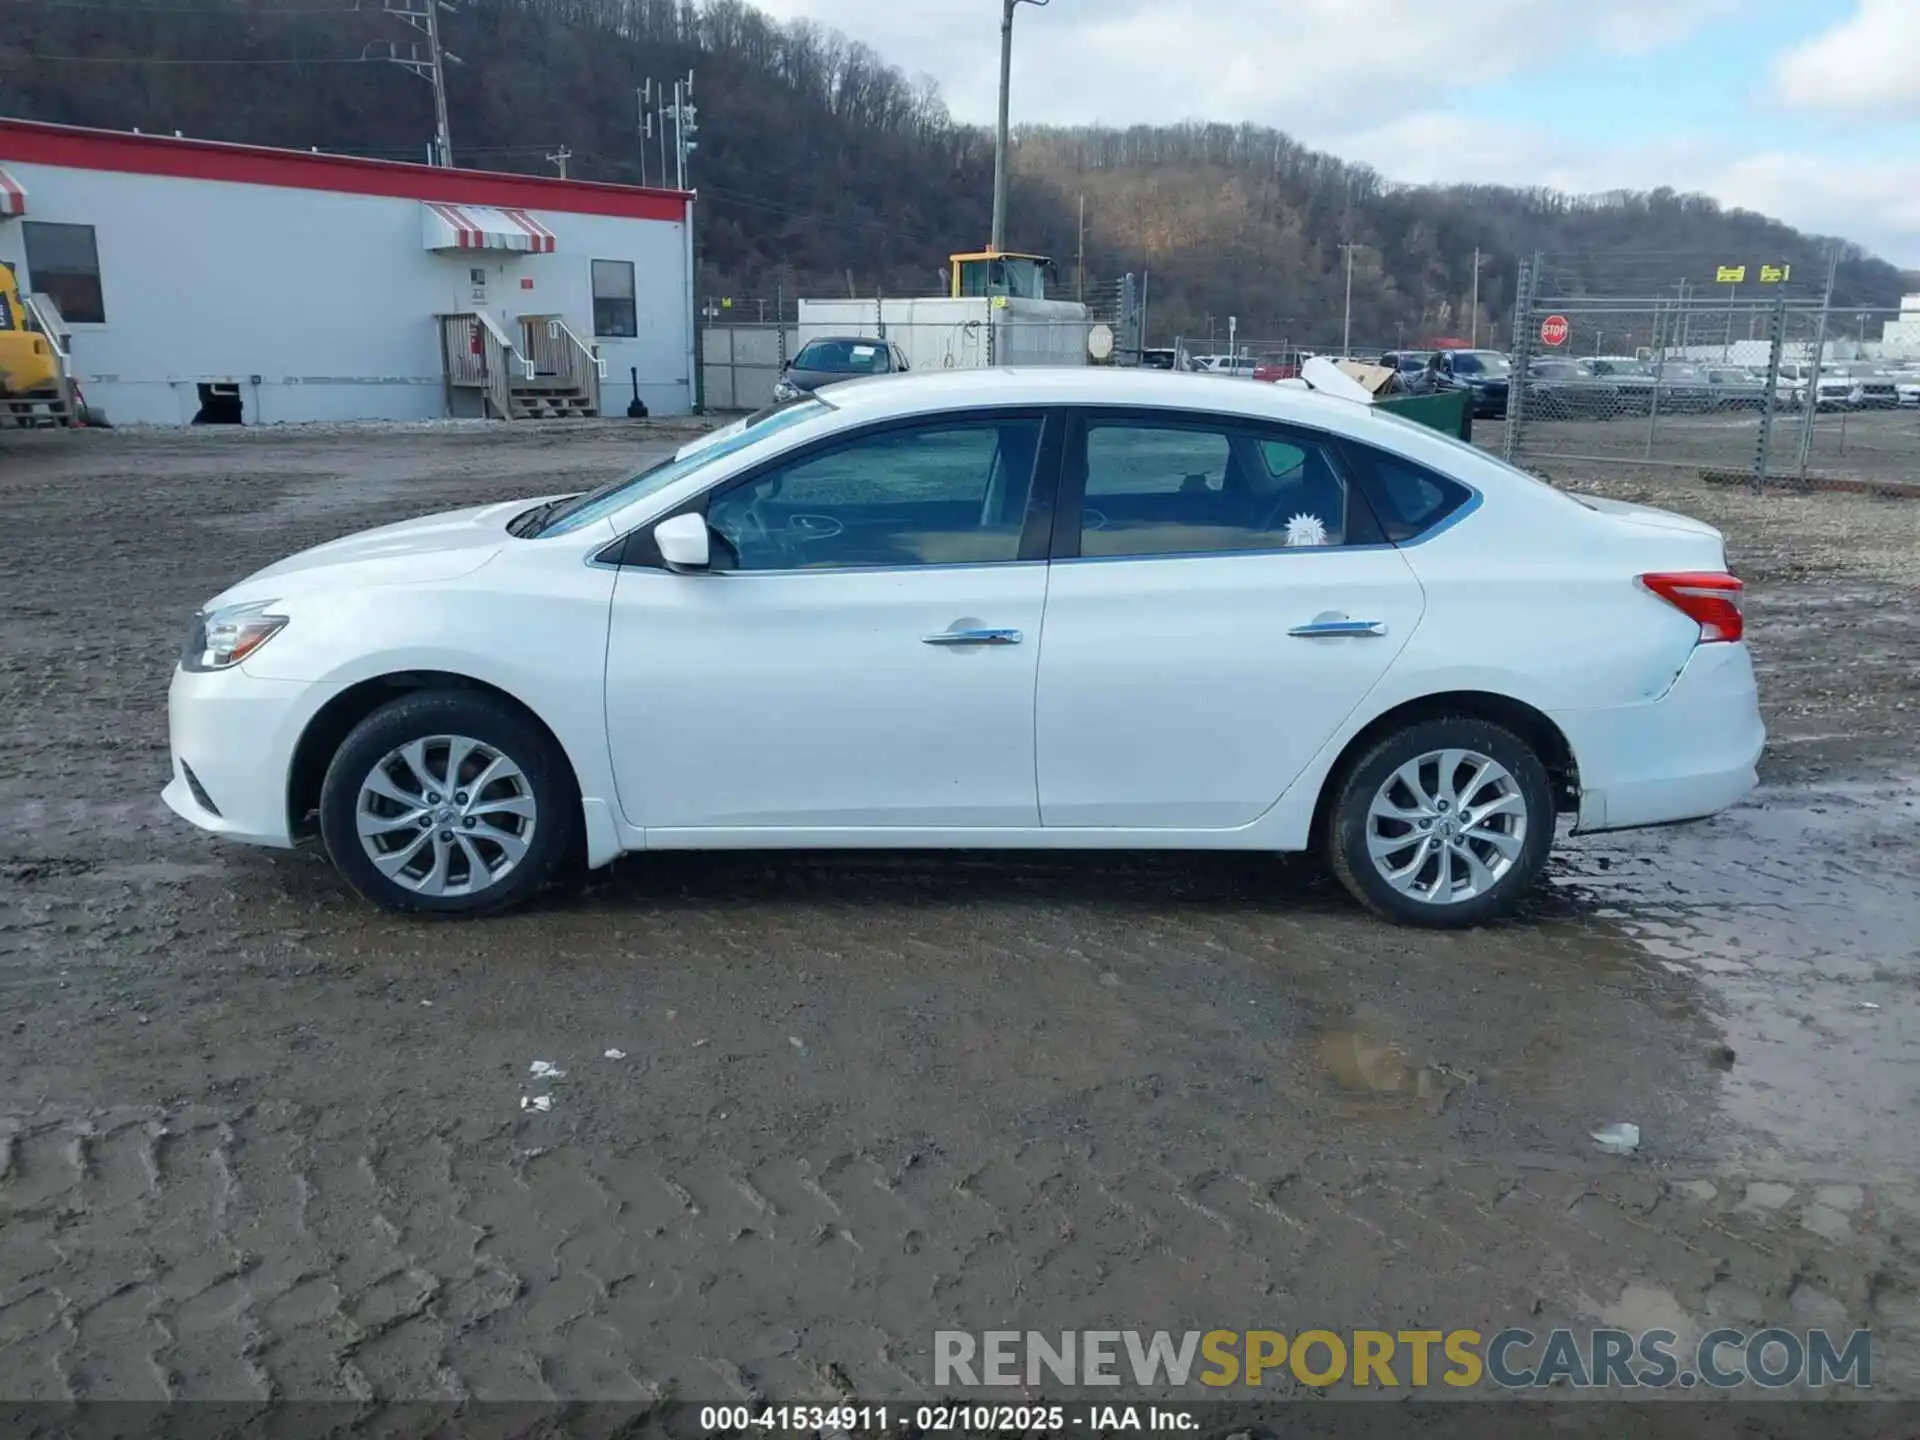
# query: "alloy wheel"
1447,826
445,815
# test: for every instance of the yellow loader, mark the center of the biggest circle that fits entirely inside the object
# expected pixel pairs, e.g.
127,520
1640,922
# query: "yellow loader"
34,387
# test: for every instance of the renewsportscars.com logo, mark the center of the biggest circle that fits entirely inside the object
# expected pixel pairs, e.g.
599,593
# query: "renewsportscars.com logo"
1511,1359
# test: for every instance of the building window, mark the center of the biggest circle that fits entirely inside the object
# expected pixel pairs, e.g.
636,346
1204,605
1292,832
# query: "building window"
63,262
613,310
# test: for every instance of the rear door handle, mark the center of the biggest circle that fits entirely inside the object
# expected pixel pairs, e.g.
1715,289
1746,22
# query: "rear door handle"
1334,628
973,637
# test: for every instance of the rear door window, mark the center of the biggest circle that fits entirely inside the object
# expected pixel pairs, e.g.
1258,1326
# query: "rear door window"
1162,487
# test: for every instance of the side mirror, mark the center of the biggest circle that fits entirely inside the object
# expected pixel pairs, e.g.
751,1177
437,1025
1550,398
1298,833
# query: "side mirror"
684,542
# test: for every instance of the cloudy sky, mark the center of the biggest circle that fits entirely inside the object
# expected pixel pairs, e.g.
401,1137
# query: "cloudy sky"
1804,109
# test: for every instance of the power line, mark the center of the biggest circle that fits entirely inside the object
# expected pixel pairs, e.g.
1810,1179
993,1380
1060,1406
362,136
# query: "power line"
229,13
150,60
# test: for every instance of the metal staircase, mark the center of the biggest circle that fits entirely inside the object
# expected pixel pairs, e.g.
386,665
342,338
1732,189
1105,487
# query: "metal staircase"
546,373
57,405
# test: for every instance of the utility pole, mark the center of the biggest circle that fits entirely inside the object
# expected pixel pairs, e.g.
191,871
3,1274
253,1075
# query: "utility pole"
643,98
684,116
1346,331
1080,265
684,128
1476,298
657,122
1001,140
433,68
560,158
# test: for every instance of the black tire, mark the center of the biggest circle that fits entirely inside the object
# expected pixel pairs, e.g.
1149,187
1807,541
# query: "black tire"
555,825
1357,784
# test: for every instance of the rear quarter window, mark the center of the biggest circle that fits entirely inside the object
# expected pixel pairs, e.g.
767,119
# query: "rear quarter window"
1408,498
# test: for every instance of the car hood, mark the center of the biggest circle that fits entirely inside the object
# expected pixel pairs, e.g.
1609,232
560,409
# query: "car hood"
433,547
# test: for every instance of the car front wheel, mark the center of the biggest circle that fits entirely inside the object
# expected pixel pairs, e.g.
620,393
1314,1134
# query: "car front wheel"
1445,823
448,802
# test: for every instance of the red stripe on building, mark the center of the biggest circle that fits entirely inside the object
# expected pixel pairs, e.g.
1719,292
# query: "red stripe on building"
30,142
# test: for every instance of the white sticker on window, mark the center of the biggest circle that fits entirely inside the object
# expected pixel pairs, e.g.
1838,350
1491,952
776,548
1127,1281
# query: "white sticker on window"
865,352
1306,530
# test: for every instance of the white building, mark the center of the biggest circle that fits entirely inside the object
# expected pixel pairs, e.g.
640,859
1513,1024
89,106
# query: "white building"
190,273
939,333
1901,338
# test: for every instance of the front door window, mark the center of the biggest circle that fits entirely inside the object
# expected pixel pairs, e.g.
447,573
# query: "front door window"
945,493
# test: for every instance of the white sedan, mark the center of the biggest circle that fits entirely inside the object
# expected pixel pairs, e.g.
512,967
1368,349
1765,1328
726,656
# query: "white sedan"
1042,609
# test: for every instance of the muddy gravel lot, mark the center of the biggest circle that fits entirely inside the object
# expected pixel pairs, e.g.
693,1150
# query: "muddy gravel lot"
259,1140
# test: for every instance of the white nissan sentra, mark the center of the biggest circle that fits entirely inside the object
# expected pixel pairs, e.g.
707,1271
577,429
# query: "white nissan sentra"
1035,609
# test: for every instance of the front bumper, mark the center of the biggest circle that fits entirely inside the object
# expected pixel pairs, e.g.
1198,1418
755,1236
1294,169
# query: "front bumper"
238,734
1689,754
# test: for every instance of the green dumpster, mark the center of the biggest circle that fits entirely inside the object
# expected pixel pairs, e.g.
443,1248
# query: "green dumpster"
1450,412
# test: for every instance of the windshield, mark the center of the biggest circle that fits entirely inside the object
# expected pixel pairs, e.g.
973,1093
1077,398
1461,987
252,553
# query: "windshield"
1623,367
598,504
843,357
1481,362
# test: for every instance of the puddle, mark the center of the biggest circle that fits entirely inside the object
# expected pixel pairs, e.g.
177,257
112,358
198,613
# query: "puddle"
1797,916
1365,1064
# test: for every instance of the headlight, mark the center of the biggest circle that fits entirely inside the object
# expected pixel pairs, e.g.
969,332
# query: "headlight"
787,390
220,639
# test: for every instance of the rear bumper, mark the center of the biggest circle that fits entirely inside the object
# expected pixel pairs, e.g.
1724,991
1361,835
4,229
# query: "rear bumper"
1689,754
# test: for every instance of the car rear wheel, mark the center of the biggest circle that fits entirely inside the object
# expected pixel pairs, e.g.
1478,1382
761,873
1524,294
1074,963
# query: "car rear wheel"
448,802
1445,823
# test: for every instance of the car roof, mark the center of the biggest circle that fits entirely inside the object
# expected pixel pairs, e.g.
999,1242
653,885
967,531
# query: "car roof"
937,390
844,340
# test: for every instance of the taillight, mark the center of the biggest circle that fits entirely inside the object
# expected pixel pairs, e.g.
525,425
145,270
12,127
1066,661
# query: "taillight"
1709,597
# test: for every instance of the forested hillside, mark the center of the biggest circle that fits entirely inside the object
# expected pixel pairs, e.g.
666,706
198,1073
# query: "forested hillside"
821,165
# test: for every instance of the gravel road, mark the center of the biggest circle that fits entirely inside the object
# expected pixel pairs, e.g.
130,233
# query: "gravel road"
258,1140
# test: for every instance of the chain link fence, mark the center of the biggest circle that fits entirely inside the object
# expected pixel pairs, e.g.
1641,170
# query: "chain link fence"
1767,388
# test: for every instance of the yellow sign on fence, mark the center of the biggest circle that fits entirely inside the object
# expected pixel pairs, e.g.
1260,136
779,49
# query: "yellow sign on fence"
1775,274
1730,275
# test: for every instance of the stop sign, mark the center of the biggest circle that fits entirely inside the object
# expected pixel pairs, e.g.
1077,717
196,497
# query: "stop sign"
1555,329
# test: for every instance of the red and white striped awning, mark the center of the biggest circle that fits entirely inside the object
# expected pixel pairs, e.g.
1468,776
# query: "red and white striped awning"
475,227
13,196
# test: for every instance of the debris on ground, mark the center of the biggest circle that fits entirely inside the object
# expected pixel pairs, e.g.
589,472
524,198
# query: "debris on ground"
546,1070
542,1103
1621,1138
614,1055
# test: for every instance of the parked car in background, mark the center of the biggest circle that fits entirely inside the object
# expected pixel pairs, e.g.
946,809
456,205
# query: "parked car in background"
865,619
835,358
1485,372
1735,388
1241,366
1879,390
1569,390
1838,386
1906,387
1160,359
1631,376
1684,388
1277,368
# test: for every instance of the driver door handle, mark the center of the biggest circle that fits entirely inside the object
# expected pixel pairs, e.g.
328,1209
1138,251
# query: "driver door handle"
973,637
1353,628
